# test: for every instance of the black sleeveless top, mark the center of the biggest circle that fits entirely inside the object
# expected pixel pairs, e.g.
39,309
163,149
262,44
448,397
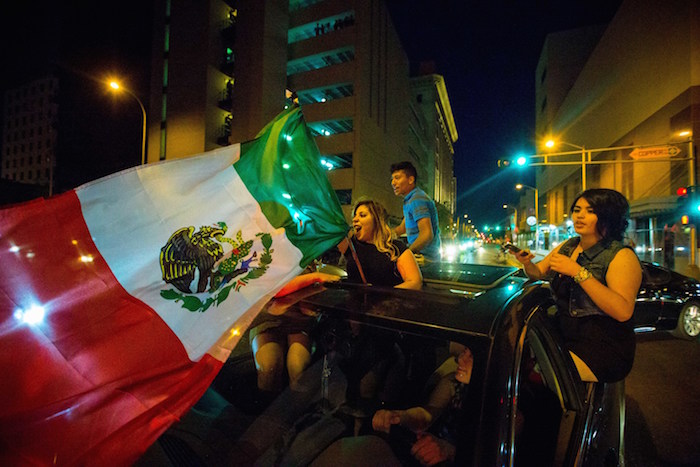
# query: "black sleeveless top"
379,269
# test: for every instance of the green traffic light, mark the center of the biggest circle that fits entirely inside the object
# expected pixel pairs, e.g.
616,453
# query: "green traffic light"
521,161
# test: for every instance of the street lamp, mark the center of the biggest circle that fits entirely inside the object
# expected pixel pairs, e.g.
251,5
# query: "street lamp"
114,85
551,143
515,219
520,186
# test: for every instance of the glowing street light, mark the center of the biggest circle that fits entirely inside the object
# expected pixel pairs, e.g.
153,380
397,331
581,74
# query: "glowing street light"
550,143
114,85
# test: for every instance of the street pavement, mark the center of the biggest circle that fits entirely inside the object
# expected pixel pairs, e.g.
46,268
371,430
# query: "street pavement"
663,403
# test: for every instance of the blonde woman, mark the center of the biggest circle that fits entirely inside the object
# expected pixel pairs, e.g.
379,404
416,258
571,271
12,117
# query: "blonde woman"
384,262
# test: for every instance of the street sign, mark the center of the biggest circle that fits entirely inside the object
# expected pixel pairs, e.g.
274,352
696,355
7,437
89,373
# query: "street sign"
655,152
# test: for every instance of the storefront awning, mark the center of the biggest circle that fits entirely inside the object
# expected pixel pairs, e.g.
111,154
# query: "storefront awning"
652,206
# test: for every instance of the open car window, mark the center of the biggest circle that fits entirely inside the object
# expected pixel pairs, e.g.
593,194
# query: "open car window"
546,407
353,370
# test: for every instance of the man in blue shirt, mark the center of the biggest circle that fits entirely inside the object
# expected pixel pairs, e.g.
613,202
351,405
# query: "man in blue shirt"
420,222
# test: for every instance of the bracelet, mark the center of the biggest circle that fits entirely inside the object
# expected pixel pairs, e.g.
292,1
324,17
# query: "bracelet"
582,275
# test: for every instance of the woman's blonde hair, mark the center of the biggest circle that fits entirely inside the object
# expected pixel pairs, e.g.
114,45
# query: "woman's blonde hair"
381,238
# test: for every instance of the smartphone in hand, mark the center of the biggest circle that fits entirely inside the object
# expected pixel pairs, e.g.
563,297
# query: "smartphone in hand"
512,248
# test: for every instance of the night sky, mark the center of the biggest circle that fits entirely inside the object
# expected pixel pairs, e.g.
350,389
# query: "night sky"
486,50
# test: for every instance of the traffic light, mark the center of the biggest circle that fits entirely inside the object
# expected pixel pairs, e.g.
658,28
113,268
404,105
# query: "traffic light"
688,205
517,161
521,161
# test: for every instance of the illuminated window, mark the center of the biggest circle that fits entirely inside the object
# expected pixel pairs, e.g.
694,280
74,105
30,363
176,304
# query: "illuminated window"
331,127
322,60
336,161
337,91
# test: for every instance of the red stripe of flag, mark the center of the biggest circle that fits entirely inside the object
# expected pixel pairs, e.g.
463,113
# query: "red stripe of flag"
102,376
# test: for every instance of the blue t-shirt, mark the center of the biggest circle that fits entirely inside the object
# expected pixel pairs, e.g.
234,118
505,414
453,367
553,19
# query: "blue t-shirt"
417,205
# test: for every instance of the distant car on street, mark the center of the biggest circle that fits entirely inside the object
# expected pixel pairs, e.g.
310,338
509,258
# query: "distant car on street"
386,348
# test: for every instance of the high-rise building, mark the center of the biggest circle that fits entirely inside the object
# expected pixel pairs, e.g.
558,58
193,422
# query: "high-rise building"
29,134
217,73
223,69
432,132
351,75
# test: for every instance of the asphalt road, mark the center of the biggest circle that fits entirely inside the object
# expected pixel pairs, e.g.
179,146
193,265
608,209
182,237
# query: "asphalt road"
663,403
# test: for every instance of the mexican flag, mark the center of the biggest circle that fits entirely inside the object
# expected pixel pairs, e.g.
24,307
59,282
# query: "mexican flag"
120,300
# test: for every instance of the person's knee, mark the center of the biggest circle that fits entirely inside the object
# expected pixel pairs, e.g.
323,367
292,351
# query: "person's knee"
269,363
298,358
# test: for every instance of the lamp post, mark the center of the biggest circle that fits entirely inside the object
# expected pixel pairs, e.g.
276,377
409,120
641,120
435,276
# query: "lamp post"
520,186
114,85
551,143
515,222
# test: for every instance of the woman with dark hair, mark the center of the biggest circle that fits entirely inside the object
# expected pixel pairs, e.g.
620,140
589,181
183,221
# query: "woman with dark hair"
595,280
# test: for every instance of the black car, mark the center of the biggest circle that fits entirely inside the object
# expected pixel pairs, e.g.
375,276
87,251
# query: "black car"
668,300
386,348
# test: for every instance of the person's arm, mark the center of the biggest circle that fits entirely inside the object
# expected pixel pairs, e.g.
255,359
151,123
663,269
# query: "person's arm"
623,279
425,235
417,419
305,280
430,450
409,270
401,228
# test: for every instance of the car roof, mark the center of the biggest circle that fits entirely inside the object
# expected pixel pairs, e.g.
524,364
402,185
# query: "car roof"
477,276
454,306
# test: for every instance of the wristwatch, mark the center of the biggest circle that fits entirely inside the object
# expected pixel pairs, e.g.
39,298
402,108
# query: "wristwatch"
582,275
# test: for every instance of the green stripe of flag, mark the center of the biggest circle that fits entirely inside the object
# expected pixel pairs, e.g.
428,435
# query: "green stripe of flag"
281,170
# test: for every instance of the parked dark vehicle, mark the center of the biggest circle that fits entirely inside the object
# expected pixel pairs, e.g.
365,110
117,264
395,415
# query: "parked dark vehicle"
382,348
668,300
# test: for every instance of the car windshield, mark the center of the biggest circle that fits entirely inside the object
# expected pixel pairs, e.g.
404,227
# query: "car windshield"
300,384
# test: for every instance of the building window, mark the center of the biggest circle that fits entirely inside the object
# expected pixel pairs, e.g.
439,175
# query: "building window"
331,127
325,59
325,94
344,196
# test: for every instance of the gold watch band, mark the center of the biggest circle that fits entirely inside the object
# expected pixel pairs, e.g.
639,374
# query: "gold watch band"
582,275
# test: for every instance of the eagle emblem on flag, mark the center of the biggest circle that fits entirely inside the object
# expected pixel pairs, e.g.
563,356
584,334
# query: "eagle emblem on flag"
219,264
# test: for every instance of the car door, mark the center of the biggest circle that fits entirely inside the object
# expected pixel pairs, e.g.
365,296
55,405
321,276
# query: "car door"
555,412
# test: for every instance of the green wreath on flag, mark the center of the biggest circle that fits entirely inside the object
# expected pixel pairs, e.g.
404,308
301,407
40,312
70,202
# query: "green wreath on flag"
188,252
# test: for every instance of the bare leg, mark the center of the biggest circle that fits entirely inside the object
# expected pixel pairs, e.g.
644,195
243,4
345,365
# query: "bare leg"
584,372
269,361
298,356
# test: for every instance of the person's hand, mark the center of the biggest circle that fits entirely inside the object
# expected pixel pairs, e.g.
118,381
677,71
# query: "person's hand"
465,363
523,256
564,265
384,419
429,450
